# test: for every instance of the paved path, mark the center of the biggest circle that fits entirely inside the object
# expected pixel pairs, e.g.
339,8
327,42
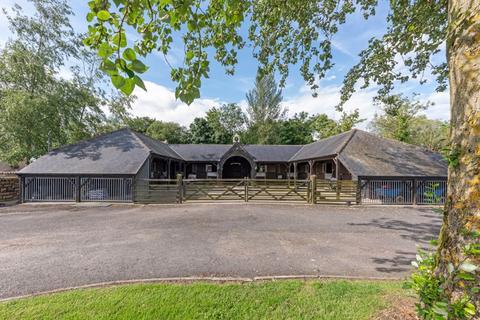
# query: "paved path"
48,247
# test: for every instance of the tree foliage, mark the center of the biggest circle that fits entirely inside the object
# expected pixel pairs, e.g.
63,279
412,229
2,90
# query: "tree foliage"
39,109
401,121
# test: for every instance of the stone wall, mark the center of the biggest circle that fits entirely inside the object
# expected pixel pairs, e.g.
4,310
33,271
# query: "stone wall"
9,189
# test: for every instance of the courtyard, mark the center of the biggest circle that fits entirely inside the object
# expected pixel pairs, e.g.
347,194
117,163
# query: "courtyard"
46,247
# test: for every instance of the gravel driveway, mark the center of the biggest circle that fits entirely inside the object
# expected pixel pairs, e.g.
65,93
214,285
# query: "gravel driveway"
45,247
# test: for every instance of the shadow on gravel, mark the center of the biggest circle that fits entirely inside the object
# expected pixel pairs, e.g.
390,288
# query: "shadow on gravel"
419,232
400,263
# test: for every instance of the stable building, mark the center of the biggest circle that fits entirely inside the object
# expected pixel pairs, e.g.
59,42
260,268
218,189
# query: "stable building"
106,167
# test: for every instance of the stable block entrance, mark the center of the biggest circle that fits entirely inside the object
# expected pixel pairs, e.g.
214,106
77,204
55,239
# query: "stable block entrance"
236,167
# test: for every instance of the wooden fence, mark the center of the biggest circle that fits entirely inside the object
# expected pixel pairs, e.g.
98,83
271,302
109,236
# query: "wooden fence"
244,190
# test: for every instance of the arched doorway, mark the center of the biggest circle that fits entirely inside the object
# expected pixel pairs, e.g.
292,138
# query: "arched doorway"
236,167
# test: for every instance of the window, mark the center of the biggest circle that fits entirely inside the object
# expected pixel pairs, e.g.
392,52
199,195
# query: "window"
209,167
328,167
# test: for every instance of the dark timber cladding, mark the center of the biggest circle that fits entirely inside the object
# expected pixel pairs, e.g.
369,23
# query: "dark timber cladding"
83,168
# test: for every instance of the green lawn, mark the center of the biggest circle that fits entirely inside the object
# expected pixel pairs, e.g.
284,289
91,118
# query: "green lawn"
261,300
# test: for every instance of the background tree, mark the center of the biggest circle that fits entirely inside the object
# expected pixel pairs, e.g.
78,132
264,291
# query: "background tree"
325,127
201,132
396,122
169,132
38,109
401,121
264,110
300,33
296,130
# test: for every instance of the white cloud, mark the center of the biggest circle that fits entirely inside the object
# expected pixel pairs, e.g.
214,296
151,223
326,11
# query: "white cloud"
441,109
341,47
159,102
328,97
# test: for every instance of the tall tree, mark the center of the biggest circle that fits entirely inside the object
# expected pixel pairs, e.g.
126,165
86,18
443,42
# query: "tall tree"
38,109
264,110
300,33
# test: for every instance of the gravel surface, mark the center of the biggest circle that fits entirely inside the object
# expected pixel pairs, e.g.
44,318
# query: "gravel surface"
46,247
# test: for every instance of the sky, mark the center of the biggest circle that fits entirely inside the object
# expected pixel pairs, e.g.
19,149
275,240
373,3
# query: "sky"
159,100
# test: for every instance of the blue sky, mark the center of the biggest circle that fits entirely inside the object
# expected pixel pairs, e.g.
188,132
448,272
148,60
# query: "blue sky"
159,100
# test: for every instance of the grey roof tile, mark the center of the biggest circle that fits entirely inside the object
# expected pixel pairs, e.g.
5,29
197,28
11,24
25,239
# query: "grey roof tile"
369,155
322,148
272,153
201,152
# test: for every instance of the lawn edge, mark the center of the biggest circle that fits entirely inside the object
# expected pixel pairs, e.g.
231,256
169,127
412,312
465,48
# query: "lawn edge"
199,279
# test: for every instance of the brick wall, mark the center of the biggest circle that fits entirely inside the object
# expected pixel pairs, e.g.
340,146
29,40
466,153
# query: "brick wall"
9,189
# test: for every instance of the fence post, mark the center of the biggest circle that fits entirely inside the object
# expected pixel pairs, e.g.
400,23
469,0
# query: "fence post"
359,191
78,189
22,189
246,182
338,188
180,187
314,189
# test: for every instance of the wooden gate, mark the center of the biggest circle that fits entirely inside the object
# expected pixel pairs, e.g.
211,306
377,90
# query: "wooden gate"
214,189
278,190
208,190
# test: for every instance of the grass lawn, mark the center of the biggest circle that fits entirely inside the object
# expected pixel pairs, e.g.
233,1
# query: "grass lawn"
260,300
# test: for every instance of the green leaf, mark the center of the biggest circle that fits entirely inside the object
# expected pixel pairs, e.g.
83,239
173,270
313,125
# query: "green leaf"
139,82
118,81
128,87
468,267
470,309
466,276
189,55
120,40
137,66
108,66
129,54
103,15
90,16
104,50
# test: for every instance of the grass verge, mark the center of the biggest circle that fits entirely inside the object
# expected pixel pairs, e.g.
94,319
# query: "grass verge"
293,299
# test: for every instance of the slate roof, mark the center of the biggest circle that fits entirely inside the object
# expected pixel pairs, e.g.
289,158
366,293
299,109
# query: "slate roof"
124,152
120,152
272,153
366,154
322,148
201,152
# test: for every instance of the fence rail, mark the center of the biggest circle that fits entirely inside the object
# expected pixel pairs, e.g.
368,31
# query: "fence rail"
403,191
156,191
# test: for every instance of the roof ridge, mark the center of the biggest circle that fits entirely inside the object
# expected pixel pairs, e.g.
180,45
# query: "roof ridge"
136,134
345,143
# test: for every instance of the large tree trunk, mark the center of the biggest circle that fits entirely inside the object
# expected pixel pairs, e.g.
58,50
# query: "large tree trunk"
462,210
